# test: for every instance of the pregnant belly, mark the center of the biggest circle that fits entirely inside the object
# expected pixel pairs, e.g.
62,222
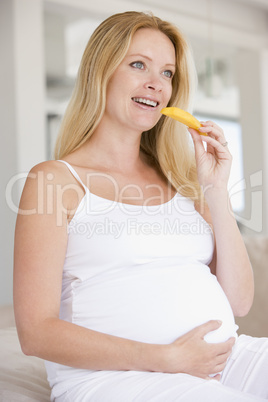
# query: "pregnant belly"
154,305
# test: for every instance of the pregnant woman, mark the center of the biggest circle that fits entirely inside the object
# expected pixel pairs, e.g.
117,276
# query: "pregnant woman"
129,266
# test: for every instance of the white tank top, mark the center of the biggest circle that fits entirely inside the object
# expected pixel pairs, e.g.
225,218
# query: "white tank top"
139,272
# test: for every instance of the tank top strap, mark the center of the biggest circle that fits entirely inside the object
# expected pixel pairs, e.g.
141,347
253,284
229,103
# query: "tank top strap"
75,174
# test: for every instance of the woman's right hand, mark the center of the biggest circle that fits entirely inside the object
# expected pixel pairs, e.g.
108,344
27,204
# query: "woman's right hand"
191,354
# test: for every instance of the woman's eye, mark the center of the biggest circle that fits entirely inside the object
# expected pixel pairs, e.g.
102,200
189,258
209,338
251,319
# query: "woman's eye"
137,64
168,73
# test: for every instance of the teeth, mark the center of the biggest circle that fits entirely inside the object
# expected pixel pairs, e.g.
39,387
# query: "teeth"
145,101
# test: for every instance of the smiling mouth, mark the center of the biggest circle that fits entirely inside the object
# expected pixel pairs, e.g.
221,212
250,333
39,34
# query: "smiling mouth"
144,101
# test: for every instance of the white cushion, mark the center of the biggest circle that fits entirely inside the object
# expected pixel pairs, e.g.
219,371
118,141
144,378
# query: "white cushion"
22,378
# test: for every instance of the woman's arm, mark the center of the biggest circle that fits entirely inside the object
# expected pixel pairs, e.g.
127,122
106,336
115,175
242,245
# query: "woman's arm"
40,247
231,262
233,267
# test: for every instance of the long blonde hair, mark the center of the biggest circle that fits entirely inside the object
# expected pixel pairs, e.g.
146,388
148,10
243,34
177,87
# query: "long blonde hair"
168,143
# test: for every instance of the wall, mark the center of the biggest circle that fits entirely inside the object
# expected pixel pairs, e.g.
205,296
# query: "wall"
22,115
8,147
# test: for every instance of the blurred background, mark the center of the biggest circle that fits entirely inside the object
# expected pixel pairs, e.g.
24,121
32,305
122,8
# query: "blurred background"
41,44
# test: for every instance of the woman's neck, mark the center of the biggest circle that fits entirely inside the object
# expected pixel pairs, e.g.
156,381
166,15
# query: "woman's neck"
116,151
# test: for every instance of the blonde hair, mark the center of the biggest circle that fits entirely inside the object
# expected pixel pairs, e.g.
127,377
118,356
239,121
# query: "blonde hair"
168,143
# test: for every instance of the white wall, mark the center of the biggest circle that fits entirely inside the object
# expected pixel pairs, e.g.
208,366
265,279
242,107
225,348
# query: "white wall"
8,154
264,114
235,22
22,115
22,81
250,82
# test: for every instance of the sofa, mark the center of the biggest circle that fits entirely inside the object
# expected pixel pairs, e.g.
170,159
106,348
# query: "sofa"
23,378
256,321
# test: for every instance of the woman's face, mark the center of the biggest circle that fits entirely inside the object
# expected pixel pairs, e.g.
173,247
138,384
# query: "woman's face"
142,84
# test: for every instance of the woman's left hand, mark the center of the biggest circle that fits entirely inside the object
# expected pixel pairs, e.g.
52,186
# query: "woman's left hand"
214,163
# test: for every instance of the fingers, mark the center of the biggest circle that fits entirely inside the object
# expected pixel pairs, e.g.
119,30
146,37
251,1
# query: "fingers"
213,131
198,143
222,349
229,343
219,146
212,156
197,357
209,326
221,359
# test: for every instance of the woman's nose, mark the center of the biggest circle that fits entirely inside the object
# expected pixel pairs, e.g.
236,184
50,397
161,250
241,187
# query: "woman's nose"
154,84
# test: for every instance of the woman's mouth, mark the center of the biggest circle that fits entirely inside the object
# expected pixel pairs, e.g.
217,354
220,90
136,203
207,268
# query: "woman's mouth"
144,101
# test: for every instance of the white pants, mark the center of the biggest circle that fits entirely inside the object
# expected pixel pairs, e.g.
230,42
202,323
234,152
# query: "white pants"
245,378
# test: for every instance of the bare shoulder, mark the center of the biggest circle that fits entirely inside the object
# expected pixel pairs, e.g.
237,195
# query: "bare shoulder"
52,170
51,182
